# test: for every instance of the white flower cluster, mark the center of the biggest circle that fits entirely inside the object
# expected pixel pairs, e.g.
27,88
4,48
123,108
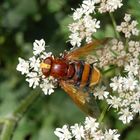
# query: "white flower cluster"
134,50
127,96
112,53
116,53
128,27
109,5
84,25
31,68
90,130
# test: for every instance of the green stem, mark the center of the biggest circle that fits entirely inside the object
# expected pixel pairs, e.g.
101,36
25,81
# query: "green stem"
11,122
25,105
110,69
102,115
126,44
3,120
114,25
8,129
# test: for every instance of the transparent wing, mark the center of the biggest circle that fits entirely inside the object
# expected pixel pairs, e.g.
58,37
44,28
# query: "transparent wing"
84,100
81,52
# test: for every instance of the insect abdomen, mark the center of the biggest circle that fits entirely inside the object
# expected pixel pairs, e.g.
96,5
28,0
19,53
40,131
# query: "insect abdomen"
85,75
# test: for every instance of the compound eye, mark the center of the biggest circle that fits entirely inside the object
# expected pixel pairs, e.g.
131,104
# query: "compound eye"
48,61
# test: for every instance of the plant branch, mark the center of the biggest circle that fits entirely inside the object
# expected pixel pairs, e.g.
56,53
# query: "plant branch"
11,122
102,114
114,25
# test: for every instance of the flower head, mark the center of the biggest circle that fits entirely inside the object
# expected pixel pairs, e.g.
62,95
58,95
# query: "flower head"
109,5
78,131
125,115
39,46
128,27
90,130
101,93
31,69
84,25
111,135
23,66
63,133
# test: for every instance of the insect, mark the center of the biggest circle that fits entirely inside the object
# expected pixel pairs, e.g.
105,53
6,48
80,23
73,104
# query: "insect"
76,76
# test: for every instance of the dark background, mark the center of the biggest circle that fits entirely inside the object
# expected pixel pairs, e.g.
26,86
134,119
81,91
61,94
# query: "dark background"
23,21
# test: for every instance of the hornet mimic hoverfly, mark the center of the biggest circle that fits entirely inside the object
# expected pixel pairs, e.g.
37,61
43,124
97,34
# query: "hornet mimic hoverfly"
76,76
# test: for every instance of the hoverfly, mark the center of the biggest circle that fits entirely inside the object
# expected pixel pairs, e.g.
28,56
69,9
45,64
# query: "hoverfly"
76,76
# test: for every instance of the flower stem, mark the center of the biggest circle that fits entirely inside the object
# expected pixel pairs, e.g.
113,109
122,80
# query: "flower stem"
126,44
25,105
8,129
114,25
102,114
10,123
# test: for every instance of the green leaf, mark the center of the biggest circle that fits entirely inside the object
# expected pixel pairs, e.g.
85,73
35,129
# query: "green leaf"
55,5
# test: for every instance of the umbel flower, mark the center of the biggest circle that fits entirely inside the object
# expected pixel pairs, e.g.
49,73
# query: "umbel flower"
90,130
84,25
124,92
128,27
32,71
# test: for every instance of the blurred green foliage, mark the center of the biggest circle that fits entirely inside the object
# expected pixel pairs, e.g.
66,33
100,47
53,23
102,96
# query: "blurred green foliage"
23,21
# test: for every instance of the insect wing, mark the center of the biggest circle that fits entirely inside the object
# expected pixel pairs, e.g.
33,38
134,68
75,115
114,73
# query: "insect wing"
84,100
81,52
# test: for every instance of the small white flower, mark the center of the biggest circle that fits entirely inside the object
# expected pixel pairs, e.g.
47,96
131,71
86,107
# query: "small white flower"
128,27
78,13
91,24
132,68
101,93
109,5
126,115
63,133
74,27
34,63
98,135
39,46
112,5
114,101
78,131
131,43
130,83
88,6
111,135
91,124
23,66
117,83
75,39
47,87
135,31
136,107
127,17
33,79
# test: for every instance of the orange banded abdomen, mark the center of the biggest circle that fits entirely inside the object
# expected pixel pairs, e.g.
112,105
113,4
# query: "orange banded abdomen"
85,75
